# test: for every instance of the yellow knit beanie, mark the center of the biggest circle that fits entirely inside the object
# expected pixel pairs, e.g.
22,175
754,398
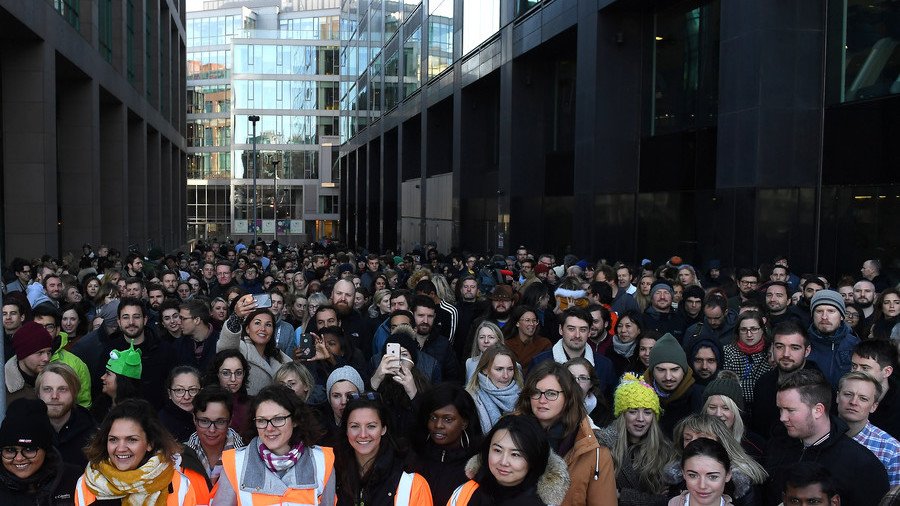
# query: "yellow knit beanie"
633,393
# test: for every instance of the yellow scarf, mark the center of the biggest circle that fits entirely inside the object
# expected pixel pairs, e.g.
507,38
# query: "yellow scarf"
147,485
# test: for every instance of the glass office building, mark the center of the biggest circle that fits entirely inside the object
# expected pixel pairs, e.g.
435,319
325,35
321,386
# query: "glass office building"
276,60
624,129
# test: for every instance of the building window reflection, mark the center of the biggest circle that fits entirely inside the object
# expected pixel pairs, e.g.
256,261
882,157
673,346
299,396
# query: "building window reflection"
686,67
870,57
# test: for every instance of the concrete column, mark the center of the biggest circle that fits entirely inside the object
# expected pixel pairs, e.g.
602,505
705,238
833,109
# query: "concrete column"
166,188
155,204
138,193
78,149
114,216
29,148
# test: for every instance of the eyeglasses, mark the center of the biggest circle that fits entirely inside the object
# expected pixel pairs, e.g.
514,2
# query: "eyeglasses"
10,452
179,392
370,396
205,423
581,379
852,315
551,395
276,421
744,282
749,330
49,326
225,373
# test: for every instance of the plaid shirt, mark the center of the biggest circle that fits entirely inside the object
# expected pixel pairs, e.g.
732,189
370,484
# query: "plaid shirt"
885,447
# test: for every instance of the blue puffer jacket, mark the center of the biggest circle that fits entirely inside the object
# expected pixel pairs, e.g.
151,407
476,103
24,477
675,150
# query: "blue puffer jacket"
832,353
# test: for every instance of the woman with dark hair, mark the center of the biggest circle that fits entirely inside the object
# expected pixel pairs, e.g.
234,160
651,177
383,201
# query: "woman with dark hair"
707,469
131,458
521,336
514,467
33,470
176,415
75,323
748,356
121,381
595,403
212,416
282,464
645,343
251,330
371,466
853,315
446,435
230,370
334,349
886,324
552,396
400,381
625,341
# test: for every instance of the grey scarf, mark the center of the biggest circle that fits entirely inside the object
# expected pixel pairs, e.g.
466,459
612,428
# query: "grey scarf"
493,402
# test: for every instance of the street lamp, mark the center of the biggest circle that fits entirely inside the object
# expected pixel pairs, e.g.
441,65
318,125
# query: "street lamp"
253,119
275,195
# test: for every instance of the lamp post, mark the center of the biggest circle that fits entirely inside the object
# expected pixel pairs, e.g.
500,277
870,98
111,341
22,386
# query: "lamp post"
275,196
253,119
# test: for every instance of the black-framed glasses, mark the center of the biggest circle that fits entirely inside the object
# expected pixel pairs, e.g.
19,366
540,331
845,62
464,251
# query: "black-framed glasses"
10,452
749,330
205,423
369,396
583,379
551,395
179,392
276,421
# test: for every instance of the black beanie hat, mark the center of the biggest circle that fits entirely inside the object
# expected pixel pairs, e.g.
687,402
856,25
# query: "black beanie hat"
726,384
26,424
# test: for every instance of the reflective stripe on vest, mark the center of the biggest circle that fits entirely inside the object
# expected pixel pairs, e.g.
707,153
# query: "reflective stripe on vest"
404,489
246,498
79,489
183,485
463,494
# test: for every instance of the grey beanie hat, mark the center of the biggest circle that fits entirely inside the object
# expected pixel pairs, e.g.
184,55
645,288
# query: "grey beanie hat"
829,297
345,373
661,285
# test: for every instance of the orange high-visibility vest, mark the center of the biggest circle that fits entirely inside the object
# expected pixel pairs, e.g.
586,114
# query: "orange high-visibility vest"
413,490
182,492
198,483
463,494
234,463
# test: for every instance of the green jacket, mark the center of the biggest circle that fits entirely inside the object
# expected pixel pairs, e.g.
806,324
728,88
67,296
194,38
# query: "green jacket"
72,360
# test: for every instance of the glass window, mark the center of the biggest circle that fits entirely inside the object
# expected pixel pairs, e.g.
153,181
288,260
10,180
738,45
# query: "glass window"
686,67
412,63
376,28
523,6
440,37
392,18
391,81
481,19
870,54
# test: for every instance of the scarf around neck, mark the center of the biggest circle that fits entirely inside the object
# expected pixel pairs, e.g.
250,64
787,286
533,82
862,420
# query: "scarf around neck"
751,350
279,463
493,401
624,349
144,486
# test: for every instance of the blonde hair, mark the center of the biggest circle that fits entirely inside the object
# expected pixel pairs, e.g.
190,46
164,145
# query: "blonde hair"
294,368
652,454
443,288
738,429
487,359
486,325
708,424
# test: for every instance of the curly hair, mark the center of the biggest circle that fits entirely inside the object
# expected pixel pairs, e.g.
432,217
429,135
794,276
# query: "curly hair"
142,413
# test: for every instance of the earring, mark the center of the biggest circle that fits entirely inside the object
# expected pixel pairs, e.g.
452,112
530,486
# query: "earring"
467,442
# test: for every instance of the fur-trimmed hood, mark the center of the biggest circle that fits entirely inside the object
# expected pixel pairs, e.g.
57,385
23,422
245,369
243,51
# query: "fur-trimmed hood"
551,486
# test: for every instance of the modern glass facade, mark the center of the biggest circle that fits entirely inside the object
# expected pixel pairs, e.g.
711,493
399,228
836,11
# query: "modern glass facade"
280,64
718,130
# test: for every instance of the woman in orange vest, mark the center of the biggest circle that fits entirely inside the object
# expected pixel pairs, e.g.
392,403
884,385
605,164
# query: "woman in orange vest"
130,458
521,470
281,465
371,467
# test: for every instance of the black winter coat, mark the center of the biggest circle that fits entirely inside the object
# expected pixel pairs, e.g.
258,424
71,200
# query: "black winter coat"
859,476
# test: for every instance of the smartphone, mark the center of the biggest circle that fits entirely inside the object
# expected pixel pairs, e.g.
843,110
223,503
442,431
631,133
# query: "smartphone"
263,300
393,350
307,347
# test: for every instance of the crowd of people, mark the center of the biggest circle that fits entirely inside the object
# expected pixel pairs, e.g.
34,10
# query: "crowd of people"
266,374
